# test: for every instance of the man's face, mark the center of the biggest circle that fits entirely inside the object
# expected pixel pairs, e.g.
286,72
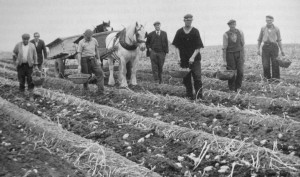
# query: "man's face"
232,25
25,41
157,27
188,22
269,21
36,37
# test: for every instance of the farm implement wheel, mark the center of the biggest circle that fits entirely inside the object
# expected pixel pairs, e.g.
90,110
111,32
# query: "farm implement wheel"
59,68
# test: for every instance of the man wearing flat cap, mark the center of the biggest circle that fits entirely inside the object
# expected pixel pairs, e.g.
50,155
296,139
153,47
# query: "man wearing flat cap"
25,58
188,44
89,60
270,36
233,54
40,49
157,44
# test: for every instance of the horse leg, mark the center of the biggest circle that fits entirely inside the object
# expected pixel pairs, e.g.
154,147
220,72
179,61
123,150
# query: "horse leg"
133,72
111,80
122,70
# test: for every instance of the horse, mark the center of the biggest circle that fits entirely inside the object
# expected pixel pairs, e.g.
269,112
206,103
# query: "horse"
128,45
105,26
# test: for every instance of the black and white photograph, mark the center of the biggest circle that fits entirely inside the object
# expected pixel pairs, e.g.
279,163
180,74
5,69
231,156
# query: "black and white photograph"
149,88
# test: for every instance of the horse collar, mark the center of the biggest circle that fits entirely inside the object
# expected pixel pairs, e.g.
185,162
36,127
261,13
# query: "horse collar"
123,42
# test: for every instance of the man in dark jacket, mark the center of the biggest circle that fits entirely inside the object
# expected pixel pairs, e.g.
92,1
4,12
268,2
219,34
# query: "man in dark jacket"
40,49
157,44
188,44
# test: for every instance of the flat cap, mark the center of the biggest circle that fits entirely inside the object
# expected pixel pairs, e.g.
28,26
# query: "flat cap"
231,21
270,17
88,32
188,16
26,36
156,23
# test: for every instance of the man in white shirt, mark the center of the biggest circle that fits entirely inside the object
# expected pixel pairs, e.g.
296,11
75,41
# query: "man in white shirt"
25,57
89,60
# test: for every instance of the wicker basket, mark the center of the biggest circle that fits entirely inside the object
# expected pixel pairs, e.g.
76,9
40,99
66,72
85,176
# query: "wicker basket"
79,78
38,78
226,74
283,62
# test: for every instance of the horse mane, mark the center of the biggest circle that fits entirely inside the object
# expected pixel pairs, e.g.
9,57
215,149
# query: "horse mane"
130,30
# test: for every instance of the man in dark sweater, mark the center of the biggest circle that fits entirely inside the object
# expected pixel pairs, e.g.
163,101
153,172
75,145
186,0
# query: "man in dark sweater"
188,43
157,44
40,49
233,54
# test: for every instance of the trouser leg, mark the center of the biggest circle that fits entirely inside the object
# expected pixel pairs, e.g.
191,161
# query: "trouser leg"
21,77
40,66
85,69
97,70
28,72
154,64
161,61
239,59
275,64
231,65
196,73
266,61
187,81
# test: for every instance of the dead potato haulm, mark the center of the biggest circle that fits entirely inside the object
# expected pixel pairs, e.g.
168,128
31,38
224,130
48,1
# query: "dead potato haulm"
151,129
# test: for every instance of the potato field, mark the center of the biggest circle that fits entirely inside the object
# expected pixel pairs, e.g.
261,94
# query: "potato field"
151,129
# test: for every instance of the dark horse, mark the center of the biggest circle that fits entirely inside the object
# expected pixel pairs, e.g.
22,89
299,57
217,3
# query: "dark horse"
105,26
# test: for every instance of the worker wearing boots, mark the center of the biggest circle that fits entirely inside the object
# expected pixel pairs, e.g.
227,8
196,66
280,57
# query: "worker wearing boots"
89,60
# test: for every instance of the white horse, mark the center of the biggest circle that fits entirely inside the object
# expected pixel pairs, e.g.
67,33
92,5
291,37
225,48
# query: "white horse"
129,44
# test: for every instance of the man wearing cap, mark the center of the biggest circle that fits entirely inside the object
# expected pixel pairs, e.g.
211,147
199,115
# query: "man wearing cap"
157,44
25,58
233,54
40,49
270,36
89,60
188,43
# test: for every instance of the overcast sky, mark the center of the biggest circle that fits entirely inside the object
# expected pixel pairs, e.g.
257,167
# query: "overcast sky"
62,18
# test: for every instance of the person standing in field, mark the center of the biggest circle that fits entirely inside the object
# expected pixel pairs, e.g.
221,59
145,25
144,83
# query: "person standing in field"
270,36
40,49
89,60
188,44
25,58
157,44
233,54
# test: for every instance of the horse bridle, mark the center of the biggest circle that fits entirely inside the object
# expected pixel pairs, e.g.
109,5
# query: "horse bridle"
137,35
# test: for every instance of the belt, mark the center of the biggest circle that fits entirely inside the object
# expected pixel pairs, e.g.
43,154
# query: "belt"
270,43
89,57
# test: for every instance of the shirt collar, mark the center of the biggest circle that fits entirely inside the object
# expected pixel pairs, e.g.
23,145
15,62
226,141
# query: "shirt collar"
271,26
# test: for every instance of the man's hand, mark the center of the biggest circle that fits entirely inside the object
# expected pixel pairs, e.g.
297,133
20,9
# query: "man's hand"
98,61
79,68
282,53
258,52
191,60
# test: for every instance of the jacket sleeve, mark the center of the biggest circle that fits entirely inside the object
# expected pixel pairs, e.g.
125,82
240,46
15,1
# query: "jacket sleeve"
34,55
44,50
225,41
167,43
242,38
15,52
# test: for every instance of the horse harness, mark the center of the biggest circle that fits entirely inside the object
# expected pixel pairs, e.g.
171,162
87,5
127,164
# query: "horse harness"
121,36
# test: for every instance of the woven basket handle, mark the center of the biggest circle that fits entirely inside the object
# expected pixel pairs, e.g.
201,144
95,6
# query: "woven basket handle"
38,72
